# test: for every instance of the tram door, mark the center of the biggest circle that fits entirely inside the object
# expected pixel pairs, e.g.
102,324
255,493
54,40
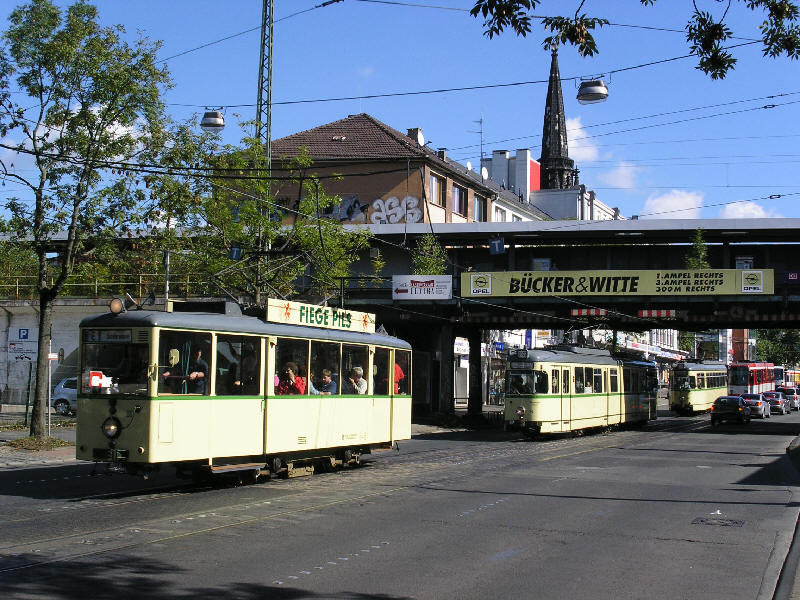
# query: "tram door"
564,391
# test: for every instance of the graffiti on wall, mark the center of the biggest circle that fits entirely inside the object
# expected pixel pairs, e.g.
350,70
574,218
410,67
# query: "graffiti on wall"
393,210
350,209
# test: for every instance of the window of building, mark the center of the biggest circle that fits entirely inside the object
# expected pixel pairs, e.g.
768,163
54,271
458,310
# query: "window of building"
459,200
437,190
478,208
516,218
499,214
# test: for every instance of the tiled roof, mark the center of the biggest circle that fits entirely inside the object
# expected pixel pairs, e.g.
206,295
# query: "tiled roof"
357,137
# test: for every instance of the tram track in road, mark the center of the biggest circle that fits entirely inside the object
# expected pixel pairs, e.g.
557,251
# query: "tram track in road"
308,495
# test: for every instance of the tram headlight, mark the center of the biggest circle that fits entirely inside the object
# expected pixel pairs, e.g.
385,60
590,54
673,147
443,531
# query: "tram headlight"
521,413
111,427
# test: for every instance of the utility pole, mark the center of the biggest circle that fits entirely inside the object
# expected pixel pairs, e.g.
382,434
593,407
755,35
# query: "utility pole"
264,121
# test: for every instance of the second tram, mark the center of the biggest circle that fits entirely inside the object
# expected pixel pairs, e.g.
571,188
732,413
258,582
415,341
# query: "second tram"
694,386
561,389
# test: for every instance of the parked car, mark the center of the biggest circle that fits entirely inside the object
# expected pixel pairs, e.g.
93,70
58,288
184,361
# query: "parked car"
792,394
777,402
65,396
729,408
759,406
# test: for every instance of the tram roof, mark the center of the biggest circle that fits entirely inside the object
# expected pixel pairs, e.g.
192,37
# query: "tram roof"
697,366
235,324
570,355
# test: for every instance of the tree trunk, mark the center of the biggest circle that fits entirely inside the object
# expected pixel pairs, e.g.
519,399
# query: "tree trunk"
40,407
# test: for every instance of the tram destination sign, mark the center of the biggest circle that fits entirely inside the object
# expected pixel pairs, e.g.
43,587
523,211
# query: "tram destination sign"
298,313
699,282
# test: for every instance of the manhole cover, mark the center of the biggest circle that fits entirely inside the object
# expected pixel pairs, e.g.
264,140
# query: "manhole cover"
718,522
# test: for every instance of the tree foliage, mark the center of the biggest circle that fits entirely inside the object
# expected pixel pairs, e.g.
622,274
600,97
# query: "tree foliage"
778,346
697,258
83,98
706,33
429,258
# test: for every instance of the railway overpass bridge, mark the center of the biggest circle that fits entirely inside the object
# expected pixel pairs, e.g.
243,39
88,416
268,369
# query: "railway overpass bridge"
609,249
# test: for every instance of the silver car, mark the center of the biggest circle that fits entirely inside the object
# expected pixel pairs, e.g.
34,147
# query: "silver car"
759,406
65,396
778,403
792,394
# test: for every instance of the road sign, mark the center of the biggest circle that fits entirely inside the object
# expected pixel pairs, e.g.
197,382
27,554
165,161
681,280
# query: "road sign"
52,356
422,287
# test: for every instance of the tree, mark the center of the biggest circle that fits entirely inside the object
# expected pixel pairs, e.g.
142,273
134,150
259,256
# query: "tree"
429,258
83,100
697,258
778,346
705,33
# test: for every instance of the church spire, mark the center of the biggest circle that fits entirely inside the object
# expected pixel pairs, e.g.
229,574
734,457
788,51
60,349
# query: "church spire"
558,169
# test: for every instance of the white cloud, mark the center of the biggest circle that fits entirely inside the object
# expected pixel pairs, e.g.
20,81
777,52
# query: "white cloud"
365,72
747,210
622,176
676,204
580,149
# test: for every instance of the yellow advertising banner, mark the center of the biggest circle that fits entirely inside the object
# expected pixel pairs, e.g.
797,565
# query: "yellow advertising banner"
297,313
700,282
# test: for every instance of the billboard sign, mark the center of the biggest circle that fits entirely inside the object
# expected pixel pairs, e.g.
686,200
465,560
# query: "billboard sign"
699,282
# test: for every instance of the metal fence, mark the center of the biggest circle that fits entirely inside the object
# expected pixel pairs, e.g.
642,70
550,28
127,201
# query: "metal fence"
137,285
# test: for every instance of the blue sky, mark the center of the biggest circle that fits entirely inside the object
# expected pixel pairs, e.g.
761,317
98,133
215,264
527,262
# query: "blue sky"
669,142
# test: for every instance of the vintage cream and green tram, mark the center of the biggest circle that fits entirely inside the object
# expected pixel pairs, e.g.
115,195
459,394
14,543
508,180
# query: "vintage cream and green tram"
564,388
306,387
693,387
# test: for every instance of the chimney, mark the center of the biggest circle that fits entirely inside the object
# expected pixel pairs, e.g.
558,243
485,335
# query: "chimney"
442,153
415,133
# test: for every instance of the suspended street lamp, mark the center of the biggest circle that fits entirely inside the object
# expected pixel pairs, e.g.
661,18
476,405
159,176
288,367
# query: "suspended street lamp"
592,91
213,121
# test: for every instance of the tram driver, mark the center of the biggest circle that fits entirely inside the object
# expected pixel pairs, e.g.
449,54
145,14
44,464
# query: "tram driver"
196,376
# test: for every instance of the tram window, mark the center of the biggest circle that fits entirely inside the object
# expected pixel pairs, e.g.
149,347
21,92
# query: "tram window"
237,365
525,383
291,364
636,381
587,380
355,378
598,381
325,358
565,380
614,380
402,372
579,380
554,376
692,382
124,367
183,362
701,381
380,372
626,379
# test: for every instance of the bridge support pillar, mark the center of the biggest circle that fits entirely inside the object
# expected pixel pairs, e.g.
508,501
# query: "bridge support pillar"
446,400
476,384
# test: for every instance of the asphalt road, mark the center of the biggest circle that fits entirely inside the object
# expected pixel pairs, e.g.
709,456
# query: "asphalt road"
675,510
